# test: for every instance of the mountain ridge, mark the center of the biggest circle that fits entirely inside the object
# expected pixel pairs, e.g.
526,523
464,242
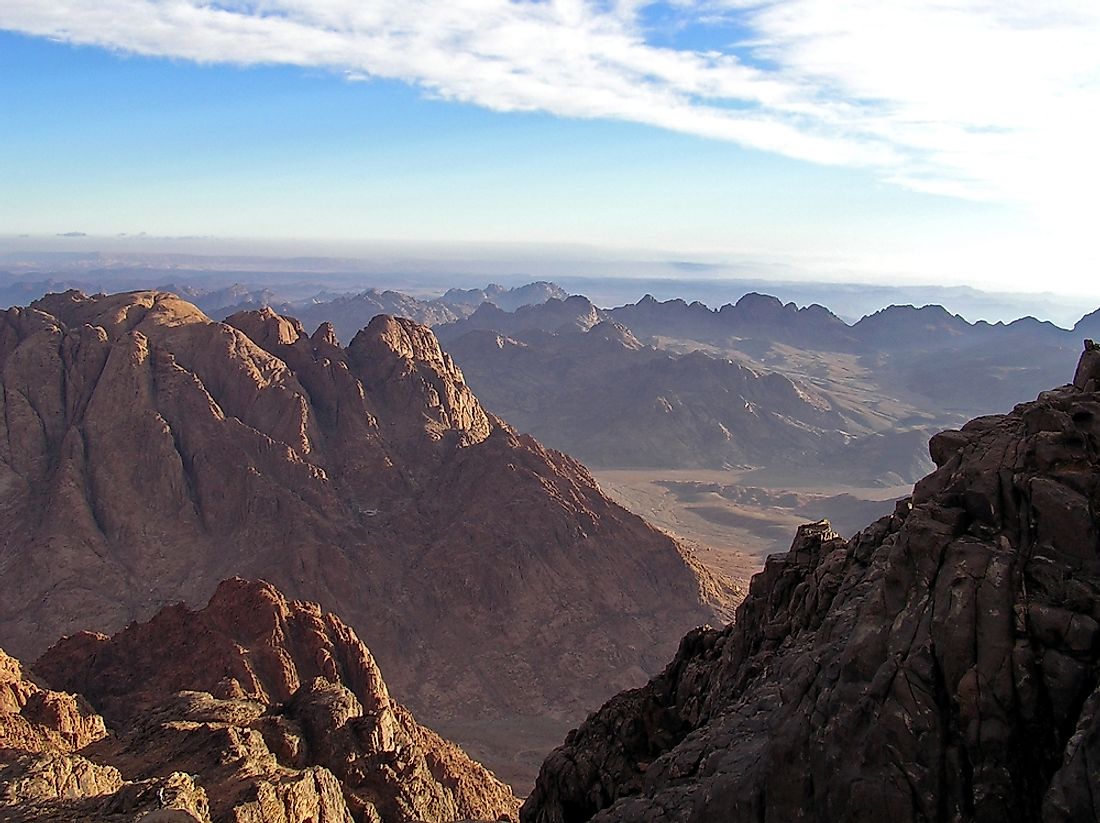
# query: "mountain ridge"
149,453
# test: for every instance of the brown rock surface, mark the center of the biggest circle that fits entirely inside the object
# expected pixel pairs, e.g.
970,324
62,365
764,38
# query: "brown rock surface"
941,665
34,719
147,453
254,709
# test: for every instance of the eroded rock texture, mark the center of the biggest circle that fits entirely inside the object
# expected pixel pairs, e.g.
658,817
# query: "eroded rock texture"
147,453
255,709
940,666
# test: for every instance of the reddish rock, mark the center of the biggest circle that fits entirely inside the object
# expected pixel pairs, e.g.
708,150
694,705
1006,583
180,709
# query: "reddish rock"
147,453
35,719
254,708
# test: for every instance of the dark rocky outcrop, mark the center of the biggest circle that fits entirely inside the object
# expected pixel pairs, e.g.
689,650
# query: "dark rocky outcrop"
941,665
254,708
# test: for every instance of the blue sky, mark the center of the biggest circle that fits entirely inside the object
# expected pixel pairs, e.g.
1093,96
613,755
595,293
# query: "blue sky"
785,132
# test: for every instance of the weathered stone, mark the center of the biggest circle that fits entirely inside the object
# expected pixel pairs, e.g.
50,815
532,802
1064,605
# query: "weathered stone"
939,666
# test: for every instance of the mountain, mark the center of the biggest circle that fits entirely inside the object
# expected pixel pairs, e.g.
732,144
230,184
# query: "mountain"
213,301
147,453
604,397
1088,326
349,313
507,299
892,378
573,314
940,665
756,316
253,708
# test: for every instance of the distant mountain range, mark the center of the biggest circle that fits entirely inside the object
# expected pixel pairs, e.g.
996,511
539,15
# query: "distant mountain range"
888,380
677,384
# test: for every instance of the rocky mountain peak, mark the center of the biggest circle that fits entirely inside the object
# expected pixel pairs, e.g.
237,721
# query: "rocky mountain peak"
1087,376
405,370
249,642
266,328
255,707
118,314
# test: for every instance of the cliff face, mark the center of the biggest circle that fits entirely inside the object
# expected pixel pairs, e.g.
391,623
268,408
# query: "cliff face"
147,453
941,665
254,708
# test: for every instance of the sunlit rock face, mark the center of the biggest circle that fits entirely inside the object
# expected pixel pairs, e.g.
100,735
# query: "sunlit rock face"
147,453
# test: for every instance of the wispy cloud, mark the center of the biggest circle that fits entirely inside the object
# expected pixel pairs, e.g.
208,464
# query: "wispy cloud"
988,99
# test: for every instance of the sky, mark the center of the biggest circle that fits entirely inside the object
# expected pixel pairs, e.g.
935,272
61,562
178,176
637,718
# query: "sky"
940,142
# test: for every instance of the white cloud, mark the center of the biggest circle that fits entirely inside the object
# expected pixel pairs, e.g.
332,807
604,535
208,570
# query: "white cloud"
988,99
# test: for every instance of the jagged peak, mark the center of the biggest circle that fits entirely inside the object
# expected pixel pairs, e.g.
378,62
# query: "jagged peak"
248,641
326,334
391,336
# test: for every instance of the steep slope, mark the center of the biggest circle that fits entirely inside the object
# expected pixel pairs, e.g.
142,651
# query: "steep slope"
147,453
1089,325
942,665
254,708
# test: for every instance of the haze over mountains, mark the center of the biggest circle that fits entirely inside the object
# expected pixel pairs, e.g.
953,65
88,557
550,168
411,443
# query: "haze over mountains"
952,644
867,394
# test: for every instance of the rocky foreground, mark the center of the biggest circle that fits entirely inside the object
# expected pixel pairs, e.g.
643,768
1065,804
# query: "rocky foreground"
147,453
942,665
255,709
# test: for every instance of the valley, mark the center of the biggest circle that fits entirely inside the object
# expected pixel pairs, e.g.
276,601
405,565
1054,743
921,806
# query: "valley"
732,525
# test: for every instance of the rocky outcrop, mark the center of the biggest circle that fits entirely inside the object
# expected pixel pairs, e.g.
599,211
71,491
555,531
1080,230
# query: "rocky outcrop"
941,665
147,453
43,778
1087,376
35,719
254,708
